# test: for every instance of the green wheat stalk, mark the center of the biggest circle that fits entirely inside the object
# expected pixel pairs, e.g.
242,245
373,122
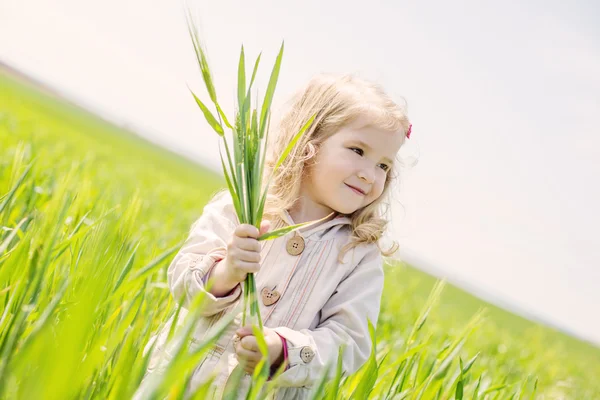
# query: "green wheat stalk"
244,171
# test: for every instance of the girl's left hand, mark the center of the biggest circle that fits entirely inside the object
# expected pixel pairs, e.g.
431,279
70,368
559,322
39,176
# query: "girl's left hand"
247,348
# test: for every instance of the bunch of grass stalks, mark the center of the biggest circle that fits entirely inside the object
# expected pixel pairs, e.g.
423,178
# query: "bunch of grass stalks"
244,168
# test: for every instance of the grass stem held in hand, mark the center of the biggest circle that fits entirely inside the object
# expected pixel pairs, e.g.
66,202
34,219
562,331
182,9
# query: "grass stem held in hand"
244,170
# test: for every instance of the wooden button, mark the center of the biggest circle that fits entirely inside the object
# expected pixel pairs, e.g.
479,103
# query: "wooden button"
307,354
269,297
295,245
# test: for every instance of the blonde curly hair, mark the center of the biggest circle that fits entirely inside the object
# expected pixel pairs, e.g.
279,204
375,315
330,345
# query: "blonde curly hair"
336,100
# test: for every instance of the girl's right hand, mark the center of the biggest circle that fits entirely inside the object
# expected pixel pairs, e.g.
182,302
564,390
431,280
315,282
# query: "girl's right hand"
243,252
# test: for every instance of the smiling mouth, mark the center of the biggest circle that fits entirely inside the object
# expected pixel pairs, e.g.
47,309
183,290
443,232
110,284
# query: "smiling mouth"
355,190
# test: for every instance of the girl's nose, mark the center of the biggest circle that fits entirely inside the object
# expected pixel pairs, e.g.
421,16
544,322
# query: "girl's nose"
367,176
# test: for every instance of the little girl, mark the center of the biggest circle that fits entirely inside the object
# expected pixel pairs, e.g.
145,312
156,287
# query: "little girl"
318,286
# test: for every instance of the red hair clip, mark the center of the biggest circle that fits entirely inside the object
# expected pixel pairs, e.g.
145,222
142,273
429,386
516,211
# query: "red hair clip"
409,131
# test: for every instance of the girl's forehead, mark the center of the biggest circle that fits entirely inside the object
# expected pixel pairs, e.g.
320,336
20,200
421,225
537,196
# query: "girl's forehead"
370,137
367,133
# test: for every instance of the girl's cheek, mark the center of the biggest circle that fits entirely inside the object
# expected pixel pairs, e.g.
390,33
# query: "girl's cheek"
378,187
341,160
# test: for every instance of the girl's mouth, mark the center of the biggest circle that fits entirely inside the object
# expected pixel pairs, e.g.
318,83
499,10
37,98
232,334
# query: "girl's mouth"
354,190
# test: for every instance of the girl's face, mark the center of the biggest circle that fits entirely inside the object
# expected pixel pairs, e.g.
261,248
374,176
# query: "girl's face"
357,155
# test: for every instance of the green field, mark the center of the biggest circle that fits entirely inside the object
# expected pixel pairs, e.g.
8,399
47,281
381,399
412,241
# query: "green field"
91,215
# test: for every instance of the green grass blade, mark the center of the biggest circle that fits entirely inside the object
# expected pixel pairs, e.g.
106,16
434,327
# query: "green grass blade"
15,187
154,264
476,390
458,394
260,339
279,162
232,170
319,388
201,57
256,176
184,361
291,145
205,70
244,197
127,268
241,80
283,231
261,204
335,384
255,69
5,243
469,364
232,189
369,370
494,388
222,114
270,90
44,319
210,118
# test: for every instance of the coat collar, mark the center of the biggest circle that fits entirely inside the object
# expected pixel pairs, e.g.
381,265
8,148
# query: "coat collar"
336,219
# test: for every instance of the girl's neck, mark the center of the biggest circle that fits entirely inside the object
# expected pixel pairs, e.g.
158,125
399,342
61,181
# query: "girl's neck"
306,210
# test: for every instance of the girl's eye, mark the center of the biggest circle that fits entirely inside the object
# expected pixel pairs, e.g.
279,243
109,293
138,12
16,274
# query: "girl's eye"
360,152
356,148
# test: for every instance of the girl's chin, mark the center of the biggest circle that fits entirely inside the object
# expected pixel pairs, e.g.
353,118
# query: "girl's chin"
346,209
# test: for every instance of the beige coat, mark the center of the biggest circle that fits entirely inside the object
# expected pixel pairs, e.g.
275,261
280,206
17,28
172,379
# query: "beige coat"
323,303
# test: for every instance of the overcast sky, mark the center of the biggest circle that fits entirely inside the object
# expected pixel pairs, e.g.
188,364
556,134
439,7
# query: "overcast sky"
504,98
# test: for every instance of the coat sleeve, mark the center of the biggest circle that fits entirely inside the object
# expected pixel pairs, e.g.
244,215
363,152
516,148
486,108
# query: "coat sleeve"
205,246
343,321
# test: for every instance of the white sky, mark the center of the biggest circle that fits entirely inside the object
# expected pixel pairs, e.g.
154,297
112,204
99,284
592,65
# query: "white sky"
504,98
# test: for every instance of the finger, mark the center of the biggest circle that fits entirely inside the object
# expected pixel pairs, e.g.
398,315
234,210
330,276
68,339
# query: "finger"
264,227
247,256
249,244
246,365
247,231
249,343
244,331
247,355
246,267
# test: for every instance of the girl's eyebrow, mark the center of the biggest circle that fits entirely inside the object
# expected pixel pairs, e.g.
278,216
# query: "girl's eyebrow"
361,143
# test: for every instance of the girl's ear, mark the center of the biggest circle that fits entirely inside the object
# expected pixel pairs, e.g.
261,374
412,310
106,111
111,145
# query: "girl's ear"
310,150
